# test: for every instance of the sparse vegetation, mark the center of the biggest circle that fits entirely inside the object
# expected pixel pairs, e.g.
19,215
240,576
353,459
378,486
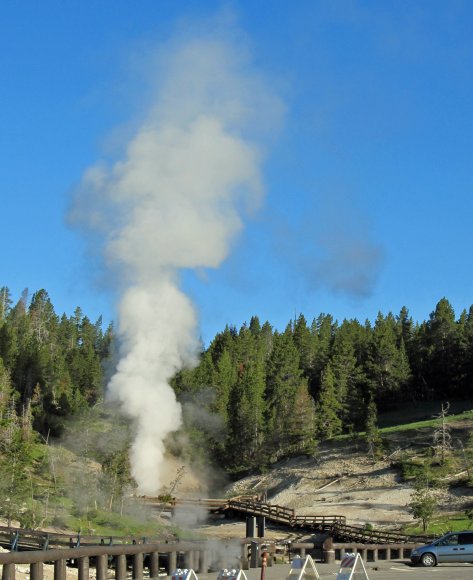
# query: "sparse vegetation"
441,524
422,506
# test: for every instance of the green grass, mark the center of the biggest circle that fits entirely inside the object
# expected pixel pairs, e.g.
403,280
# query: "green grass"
466,415
427,424
103,523
441,525
421,412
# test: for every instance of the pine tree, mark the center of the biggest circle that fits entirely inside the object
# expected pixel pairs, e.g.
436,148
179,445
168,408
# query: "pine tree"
388,367
5,303
346,373
327,408
224,380
5,390
323,331
283,381
15,468
442,354
372,435
305,343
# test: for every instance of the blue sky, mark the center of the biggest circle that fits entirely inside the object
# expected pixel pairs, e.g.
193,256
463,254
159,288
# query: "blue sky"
368,175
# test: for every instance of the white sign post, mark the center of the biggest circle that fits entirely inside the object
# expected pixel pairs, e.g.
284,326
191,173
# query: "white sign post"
303,569
352,568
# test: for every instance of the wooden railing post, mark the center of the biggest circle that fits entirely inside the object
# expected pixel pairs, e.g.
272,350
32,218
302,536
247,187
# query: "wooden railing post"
120,567
204,562
101,565
60,569
328,552
172,562
36,571
138,566
154,565
83,568
8,572
189,560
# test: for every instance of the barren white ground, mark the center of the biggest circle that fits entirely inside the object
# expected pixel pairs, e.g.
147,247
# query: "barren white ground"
345,483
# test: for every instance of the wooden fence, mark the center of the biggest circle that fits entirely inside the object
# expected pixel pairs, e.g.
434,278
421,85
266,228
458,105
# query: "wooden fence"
286,516
196,555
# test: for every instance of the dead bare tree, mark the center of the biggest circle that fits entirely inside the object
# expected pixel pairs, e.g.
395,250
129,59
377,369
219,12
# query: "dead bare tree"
442,435
173,486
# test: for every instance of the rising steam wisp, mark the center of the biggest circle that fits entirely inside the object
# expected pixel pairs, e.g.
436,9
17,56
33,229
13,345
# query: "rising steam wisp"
169,204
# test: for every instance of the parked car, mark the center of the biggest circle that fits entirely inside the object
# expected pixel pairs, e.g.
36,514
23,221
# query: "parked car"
453,547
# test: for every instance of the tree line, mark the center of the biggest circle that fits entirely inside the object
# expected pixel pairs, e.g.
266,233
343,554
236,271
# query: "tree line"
51,379
50,366
278,393
257,393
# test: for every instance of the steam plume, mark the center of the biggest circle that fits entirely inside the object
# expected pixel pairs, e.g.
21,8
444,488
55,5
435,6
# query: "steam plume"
174,201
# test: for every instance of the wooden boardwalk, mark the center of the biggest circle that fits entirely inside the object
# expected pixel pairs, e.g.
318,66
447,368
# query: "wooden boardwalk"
334,525
283,515
243,506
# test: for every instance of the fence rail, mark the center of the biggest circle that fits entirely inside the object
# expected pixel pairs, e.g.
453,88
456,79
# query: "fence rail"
286,516
274,513
196,555
24,539
345,533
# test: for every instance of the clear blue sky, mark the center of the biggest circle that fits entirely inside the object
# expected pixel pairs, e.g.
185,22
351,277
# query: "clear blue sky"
368,179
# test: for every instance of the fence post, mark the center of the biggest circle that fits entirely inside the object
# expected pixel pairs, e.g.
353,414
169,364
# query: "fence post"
8,572
60,569
83,568
137,566
101,565
154,565
36,571
120,567
172,562
204,562
189,559
328,551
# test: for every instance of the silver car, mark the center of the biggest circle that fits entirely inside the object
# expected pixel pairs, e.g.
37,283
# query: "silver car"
453,547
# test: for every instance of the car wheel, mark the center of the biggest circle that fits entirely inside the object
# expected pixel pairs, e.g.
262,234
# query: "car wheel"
428,559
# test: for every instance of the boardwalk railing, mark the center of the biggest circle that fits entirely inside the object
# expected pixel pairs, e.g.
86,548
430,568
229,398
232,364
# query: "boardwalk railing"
274,513
82,556
196,555
344,533
335,525
375,552
283,515
23,539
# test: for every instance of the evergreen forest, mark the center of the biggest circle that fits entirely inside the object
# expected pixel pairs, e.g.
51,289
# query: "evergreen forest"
258,393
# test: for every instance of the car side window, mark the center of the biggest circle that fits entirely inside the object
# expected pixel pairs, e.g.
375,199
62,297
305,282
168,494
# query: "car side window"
449,540
465,539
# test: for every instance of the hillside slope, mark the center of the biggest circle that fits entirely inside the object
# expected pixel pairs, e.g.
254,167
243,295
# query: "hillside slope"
342,480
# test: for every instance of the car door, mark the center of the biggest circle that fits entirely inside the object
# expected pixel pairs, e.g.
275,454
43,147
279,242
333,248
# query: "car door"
465,545
448,549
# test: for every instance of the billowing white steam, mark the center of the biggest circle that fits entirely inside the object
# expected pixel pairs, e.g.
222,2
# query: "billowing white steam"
171,203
